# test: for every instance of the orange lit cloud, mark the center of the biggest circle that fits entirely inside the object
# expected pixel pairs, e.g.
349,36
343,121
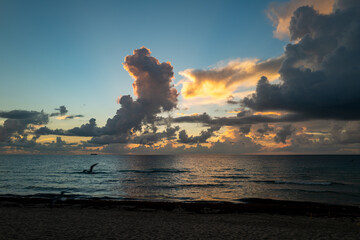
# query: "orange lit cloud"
186,114
280,13
220,82
267,141
269,113
230,134
234,111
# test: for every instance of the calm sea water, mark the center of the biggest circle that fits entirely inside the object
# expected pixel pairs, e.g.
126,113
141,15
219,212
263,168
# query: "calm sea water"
327,179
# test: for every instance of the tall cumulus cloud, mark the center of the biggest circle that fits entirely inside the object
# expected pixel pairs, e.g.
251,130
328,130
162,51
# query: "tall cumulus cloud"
154,91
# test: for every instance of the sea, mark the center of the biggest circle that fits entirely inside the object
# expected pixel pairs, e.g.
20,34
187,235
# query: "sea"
331,179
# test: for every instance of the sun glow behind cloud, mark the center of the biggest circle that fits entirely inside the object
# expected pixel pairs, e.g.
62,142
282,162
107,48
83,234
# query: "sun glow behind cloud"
280,13
221,82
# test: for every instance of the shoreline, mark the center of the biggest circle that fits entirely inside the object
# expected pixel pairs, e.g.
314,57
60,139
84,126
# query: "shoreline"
247,205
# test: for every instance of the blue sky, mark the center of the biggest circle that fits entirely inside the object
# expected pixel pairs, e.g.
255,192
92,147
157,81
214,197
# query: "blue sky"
71,52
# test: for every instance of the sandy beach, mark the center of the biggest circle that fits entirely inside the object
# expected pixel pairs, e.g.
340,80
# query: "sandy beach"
32,220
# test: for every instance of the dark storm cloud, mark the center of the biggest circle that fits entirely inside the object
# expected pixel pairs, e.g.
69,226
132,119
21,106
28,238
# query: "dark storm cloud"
202,138
320,72
283,134
18,121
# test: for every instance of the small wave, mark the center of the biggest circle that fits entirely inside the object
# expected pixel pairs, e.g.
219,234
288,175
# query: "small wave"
112,180
295,182
191,186
239,169
232,177
50,189
155,170
230,169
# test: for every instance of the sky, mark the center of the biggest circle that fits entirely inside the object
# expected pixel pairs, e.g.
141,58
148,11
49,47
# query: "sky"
176,77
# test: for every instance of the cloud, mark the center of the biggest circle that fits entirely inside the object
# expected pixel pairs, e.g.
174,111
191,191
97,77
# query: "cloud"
202,138
61,115
21,144
234,141
199,118
220,82
155,94
265,129
18,121
150,138
73,116
336,137
320,73
236,144
284,133
245,129
348,133
62,111
231,100
19,114
241,119
153,87
86,130
153,80
108,139
280,13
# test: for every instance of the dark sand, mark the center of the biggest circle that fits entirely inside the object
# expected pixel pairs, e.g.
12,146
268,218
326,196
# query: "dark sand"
35,219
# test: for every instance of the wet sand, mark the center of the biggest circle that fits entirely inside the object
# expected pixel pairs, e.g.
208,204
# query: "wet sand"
37,219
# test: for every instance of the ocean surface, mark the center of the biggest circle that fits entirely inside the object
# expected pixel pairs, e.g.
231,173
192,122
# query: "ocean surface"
325,179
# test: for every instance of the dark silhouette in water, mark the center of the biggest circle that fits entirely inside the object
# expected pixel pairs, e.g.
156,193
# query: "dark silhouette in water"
91,169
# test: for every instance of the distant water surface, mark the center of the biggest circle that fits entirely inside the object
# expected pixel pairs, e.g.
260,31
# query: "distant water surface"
326,179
